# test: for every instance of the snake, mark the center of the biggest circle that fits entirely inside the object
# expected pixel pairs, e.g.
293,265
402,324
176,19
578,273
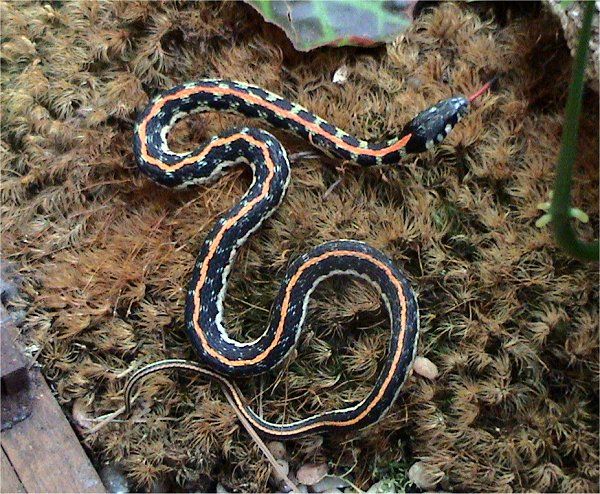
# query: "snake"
221,358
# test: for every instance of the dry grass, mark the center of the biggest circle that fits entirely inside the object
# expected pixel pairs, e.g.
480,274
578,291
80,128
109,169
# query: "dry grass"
104,255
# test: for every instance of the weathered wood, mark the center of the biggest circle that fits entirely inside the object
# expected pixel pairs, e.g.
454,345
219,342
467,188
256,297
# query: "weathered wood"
44,450
9,482
13,370
14,377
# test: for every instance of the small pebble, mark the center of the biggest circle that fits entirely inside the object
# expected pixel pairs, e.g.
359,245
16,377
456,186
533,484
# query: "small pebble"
328,483
280,483
414,82
277,449
382,487
285,489
220,489
425,476
114,479
311,473
341,75
80,415
426,368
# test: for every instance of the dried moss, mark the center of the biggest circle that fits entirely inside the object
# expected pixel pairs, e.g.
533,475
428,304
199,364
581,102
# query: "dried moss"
105,255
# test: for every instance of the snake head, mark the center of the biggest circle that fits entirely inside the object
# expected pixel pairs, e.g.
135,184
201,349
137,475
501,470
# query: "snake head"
431,126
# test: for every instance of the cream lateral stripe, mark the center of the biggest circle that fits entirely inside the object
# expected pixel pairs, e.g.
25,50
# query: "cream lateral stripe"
316,129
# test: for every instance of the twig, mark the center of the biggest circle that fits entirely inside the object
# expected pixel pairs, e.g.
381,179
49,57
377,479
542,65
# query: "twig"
564,232
332,187
35,358
308,155
242,301
106,420
278,470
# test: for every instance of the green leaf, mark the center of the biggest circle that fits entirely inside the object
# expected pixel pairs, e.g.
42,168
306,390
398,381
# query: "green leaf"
313,23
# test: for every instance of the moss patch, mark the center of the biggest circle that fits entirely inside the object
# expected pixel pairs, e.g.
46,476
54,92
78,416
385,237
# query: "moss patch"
105,255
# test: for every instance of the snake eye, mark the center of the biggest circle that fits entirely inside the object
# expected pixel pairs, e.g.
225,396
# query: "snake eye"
431,126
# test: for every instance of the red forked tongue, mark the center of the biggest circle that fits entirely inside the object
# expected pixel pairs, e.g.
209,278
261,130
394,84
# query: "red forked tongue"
485,87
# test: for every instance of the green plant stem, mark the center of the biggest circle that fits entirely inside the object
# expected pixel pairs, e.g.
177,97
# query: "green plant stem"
564,233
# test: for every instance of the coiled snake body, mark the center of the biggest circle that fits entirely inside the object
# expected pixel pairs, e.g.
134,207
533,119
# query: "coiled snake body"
220,356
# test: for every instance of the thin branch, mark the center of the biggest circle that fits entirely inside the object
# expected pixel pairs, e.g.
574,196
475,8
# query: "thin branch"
564,232
263,447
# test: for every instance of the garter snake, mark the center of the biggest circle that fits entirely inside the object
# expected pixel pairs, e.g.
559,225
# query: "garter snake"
221,357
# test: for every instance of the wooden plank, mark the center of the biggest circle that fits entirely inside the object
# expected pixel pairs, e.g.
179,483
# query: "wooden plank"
15,382
14,377
13,371
9,482
44,450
